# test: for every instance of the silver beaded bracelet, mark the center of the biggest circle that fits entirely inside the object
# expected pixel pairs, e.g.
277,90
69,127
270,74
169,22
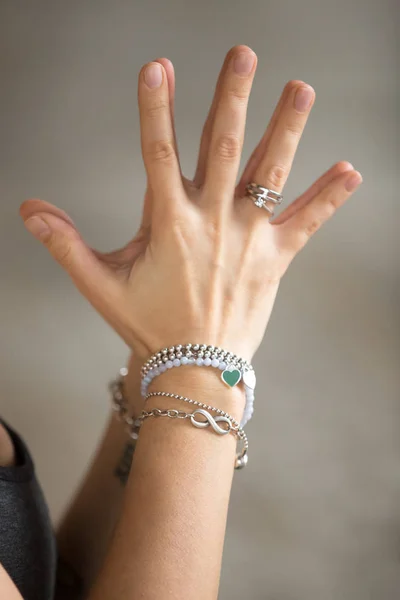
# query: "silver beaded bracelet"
200,418
119,403
234,369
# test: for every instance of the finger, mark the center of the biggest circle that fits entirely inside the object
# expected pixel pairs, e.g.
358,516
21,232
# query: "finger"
53,227
258,153
116,259
316,188
229,124
158,143
30,207
198,179
170,74
274,166
93,279
299,228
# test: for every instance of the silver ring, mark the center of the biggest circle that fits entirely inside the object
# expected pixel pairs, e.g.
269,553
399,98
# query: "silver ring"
261,195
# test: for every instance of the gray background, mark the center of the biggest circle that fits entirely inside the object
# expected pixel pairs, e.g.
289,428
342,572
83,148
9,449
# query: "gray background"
316,516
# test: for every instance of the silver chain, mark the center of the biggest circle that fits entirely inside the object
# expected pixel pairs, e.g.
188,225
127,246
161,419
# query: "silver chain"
234,424
172,413
120,406
242,457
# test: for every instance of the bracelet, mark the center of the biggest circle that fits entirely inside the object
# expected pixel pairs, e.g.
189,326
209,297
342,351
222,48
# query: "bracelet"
240,460
120,406
119,403
234,369
242,457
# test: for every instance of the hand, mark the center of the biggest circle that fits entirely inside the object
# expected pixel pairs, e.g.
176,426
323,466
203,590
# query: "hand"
206,263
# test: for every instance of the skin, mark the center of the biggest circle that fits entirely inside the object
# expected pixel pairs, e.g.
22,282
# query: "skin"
85,531
7,588
204,266
7,452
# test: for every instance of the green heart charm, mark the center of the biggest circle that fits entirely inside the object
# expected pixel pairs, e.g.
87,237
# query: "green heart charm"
231,376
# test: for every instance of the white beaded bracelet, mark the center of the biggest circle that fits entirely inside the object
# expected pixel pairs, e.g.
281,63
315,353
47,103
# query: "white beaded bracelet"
234,369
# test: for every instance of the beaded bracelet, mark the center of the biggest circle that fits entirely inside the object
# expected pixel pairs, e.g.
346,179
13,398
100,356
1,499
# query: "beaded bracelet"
119,403
234,369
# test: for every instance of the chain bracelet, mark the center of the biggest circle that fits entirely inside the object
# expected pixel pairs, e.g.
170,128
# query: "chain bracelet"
234,424
242,457
120,406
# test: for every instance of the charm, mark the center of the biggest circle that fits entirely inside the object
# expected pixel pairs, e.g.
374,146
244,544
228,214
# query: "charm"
210,421
249,378
231,376
241,461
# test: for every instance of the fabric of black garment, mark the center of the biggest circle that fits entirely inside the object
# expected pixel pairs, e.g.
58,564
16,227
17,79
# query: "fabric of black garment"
27,543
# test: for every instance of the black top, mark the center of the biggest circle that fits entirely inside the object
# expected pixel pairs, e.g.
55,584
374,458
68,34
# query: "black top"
27,543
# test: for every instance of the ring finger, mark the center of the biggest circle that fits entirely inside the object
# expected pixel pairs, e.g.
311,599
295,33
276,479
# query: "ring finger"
274,166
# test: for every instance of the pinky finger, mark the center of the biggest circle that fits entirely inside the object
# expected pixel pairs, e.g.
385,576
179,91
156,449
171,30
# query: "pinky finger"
306,221
318,185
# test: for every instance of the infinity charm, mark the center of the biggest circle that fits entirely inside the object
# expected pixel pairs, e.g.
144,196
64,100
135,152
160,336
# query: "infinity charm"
210,420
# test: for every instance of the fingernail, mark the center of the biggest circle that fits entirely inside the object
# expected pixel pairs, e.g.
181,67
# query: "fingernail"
303,98
353,181
37,227
243,63
153,75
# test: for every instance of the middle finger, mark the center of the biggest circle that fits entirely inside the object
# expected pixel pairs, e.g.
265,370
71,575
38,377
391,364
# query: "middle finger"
228,128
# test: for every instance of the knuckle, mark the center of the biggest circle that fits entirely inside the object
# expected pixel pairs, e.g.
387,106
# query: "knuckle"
276,176
62,251
317,221
294,128
156,107
312,227
238,95
332,202
161,151
65,255
325,211
331,207
227,147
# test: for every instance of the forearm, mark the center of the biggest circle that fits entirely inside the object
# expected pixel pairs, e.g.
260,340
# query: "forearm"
86,529
169,540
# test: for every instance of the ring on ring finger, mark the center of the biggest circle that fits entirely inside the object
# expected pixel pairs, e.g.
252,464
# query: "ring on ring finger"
263,197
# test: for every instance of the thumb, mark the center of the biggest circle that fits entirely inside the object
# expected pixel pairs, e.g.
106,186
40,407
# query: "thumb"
61,239
93,279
